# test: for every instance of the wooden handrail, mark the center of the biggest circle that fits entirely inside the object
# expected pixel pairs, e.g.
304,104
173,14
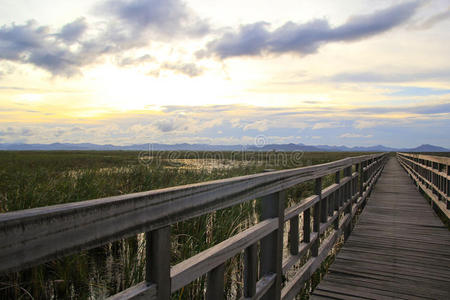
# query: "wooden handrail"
432,175
433,158
34,236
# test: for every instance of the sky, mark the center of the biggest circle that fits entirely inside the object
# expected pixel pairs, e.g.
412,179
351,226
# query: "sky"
123,72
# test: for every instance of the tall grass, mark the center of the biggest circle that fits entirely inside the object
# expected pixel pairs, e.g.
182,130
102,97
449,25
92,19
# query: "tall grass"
36,179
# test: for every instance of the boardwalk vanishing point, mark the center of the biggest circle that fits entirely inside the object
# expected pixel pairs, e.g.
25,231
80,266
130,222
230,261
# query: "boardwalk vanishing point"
398,250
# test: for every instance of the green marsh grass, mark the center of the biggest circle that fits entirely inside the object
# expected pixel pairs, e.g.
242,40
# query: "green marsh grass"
31,179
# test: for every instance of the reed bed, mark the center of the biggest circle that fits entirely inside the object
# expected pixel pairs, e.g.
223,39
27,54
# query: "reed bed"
31,179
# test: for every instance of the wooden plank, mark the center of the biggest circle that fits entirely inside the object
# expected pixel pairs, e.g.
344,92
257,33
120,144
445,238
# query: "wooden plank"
194,267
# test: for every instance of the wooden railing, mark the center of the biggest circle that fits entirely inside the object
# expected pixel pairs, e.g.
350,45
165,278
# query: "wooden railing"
432,175
34,236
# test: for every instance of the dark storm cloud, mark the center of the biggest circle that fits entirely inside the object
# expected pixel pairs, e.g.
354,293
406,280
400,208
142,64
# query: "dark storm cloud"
256,39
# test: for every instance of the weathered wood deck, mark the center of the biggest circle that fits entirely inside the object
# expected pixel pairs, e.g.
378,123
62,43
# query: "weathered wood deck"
399,248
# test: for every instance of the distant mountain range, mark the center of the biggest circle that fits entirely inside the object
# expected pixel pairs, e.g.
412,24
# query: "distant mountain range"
207,147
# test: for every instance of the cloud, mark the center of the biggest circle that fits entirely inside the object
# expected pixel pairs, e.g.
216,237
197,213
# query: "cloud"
188,69
33,44
162,18
250,40
417,91
167,125
256,39
128,25
433,20
370,76
72,32
16,132
322,125
361,124
133,61
201,123
424,109
260,125
355,135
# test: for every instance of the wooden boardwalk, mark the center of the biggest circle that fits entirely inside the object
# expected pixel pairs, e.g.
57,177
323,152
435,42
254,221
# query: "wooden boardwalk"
399,248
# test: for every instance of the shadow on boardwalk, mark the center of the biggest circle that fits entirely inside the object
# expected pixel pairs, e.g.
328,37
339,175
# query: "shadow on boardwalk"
399,248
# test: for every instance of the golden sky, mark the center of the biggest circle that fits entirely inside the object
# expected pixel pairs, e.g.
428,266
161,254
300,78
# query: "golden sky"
173,71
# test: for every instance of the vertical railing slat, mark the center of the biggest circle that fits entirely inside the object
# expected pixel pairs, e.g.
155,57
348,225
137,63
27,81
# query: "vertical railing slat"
361,180
293,235
324,210
348,201
307,225
250,270
158,261
337,200
316,219
215,283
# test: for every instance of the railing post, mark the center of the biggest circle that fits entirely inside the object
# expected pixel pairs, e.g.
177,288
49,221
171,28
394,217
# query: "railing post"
324,210
158,261
348,193
361,181
356,181
307,225
316,220
250,270
293,235
349,202
366,164
215,283
337,180
272,206
293,232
